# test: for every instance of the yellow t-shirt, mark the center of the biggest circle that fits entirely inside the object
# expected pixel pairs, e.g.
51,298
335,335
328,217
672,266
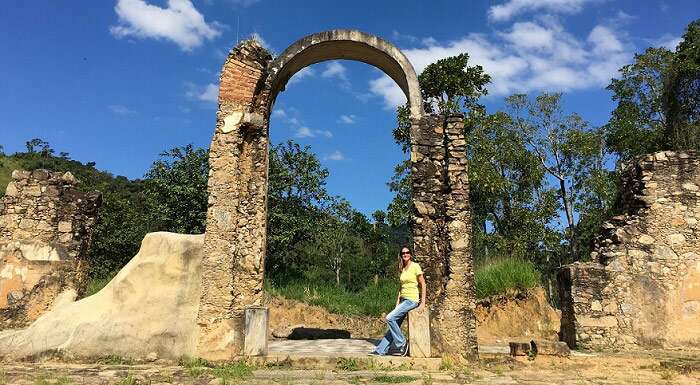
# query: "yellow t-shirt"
409,282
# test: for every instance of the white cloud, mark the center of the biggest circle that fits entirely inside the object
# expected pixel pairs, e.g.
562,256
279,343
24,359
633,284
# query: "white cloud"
667,41
180,22
305,72
347,119
334,69
512,8
208,93
529,56
256,36
121,109
335,155
304,132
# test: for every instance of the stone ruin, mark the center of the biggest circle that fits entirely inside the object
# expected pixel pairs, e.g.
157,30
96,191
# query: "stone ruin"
234,244
45,230
642,287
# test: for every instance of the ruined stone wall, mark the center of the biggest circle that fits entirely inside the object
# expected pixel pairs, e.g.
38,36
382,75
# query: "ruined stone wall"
45,231
442,231
234,246
642,287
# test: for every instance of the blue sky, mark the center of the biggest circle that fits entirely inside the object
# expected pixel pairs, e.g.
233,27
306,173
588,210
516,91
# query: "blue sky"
117,82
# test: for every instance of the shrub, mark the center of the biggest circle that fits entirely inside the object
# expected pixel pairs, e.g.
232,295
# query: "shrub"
505,276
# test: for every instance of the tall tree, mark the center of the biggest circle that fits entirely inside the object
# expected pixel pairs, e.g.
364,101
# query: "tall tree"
682,93
565,147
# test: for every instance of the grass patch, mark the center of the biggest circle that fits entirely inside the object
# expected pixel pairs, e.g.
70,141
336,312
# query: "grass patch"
114,360
42,380
96,284
129,380
372,300
384,379
227,372
233,371
505,276
354,364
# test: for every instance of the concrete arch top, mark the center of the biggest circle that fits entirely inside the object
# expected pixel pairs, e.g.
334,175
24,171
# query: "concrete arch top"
350,45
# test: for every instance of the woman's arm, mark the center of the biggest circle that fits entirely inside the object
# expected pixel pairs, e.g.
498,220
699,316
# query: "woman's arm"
423,290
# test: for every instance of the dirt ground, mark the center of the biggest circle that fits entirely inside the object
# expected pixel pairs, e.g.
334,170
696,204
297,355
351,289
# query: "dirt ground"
601,369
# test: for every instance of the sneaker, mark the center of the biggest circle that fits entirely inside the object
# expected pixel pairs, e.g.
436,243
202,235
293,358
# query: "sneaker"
374,353
403,352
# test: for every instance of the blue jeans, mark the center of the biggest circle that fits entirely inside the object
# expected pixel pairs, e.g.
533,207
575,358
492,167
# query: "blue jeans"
394,319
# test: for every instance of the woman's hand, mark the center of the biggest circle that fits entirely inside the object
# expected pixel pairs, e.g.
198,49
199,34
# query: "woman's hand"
421,307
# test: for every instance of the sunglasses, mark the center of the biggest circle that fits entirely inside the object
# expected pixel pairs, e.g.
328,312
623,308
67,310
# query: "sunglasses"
405,252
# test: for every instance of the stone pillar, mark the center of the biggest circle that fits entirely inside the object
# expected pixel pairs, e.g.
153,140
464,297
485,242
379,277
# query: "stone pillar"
256,325
442,231
234,245
419,333
457,316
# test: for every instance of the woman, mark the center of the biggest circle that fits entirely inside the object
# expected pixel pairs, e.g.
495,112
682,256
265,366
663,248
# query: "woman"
407,300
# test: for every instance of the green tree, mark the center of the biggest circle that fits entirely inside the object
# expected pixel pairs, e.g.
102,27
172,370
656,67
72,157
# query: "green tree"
296,198
176,189
682,93
637,124
568,151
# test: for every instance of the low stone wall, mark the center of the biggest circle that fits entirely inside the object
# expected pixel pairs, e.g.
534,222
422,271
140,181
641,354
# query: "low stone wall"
45,230
642,287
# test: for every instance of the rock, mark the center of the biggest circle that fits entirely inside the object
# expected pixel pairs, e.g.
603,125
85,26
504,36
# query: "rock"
152,357
596,306
646,239
149,307
550,348
676,239
69,178
519,348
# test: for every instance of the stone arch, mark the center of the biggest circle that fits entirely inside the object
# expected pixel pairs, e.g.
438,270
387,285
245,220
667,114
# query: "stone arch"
348,45
235,238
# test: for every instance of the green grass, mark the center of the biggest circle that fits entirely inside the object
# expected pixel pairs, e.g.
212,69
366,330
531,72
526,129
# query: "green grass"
372,300
7,165
393,379
227,372
96,284
505,276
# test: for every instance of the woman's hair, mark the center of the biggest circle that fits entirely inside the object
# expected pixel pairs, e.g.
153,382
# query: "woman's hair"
400,264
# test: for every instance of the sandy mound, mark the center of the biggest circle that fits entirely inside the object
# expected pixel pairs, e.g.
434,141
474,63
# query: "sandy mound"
526,316
149,307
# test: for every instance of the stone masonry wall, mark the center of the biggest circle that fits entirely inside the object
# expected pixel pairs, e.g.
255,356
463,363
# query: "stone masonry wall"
234,246
442,231
45,231
642,287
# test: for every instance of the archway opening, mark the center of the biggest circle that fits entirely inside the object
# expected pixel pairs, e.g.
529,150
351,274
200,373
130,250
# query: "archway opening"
330,267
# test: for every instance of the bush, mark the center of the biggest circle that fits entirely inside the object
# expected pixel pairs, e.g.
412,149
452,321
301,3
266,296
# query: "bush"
372,300
505,276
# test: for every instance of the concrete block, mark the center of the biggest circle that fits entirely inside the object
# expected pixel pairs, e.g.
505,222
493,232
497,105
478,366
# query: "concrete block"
419,333
256,324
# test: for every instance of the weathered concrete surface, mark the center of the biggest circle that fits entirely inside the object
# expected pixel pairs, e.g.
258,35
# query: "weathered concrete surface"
149,307
642,288
45,232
